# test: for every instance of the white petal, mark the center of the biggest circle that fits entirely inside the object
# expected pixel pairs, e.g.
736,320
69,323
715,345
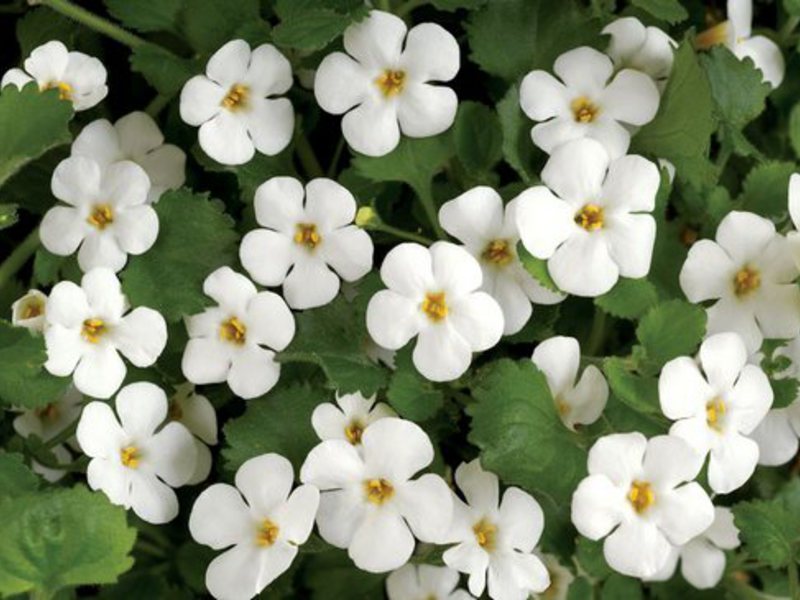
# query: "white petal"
348,251
65,347
702,564
631,184
732,463
220,518
125,184
310,283
136,229
552,134
269,321
104,294
254,372
618,456
695,432
329,205
201,100
478,319
455,270
76,181
431,53
340,83
472,559
684,513
652,549
340,513
296,516
225,139
166,168
269,72
174,454
377,40
441,353
87,76
279,204
613,136
152,500
381,543
627,36
48,61
589,397
776,439
231,290
516,575
722,357
424,110
522,519
267,256
98,432
403,584
408,270
141,336
778,311
202,464
474,217
794,199
544,221
741,17
234,575
141,407
100,372
631,98
372,127
109,476
332,464
199,416
329,422
480,488
750,398
16,77
63,229
270,123
396,449
558,359
543,97
265,481
576,170
766,55
682,389
583,266
723,532
745,235
597,506
669,461
67,305
206,361
101,250
730,315
514,301
137,134
707,272
392,319
427,505
228,65
583,68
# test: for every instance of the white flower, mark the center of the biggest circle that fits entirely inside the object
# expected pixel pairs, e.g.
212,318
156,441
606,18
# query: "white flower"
29,311
432,294
577,404
496,537
592,227
107,214
137,138
714,409
262,530
749,271
302,240
560,579
489,232
634,493
386,78
196,413
591,102
135,466
234,103
350,419
369,503
87,328
794,212
646,49
227,342
78,78
737,34
424,582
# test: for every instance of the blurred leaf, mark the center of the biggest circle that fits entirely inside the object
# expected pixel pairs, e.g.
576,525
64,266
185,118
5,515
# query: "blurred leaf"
671,11
629,298
409,393
477,136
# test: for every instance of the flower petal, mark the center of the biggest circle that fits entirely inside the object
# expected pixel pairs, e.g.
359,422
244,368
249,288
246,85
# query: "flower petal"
269,72
597,506
745,235
478,319
576,170
376,41
152,500
522,519
584,68
408,270
65,347
776,439
63,229
583,266
269,321
732,463
392,319
372,127
76,181
174,454
254,372
141,407
684,513
267,256
348,250
381,543
707,272
441,353
339,515
631,98
136,229
310,283
618,456
631,184
427,505
544,221
766,55
750,399
682,389
669,461
543,97
702,564
235,574
296,516
265,481
220,518
231,290
340,83
652,549
141,336
430,54
778,310
722,357
201,100
100,372
558,358
206,360
228,65
225,138
396,449
474,217
99,433
424,110
270,123
332,464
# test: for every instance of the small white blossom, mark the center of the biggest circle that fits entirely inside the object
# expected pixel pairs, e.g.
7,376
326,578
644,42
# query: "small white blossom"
383,82
369,503
29,311
489,232
106,213
234,103
590,100
137,138
560,579
236,340
348,421
308,237
594,226
424,582
132,463
646,49
433,295
261,522
636,496
750,273
87,328
496,538
79,78
196,413
579,403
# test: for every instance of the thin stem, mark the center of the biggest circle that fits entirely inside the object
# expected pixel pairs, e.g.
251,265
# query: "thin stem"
307,157
597,333
150,548
19,257
156,105
400,233
384,5
407,7
426,198
93,21
794,580
788,29
337,155
63,436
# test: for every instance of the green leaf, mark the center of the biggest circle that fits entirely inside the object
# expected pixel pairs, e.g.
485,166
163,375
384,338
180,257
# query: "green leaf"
146,15
29,188
792,7
580,589
619,587
332,576
681,131
509,38
313,29
279,422
737,87
518,149
477,136
31,122
671,11
537,267
637,391
785,391
23,380
517,428
589,555
42,25
16,478
208,25
65,537
8,215
629,299
195,237
163,70
671,329
453,5
410,394
794,129
766,189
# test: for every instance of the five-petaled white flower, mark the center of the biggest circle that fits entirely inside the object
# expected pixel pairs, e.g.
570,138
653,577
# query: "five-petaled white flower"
303,239
79,78
262,531
591,102
714,409
349,419
369,503
737,34
592,227
29,311
489,232
137,138
87,328
424,582
133,464
433,295
107,213
227,342
646,49
750,273
387,81
635,494
196,413
234,103
496,537
577,404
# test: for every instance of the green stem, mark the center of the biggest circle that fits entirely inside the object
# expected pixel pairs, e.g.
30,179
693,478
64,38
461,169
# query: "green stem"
400,233
407,7
18,257
384,5
150,548
788,29
426,198
794,580
63,436
597,334
156,105
92,21
337,155
307,158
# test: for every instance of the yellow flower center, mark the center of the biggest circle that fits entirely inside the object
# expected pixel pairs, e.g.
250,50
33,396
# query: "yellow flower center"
641,496
129,456
64,89
32,308
93,330
378,491
713,36
485,534
236,97
233,331
563,408
498,252
590,217
306,235
435,306
354,431
267,533
101,216
715,410
746,280
584,110
391,82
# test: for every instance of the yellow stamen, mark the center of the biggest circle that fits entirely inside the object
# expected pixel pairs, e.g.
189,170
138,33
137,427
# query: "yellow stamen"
234,331
715,410
130,457
590,217
378,491
641,496
584,110
306,235
101,216
236,98
267,533
485,534
747,280
435,306
563,408
713,36
391,82
64,89
353,432
93,330
498,252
